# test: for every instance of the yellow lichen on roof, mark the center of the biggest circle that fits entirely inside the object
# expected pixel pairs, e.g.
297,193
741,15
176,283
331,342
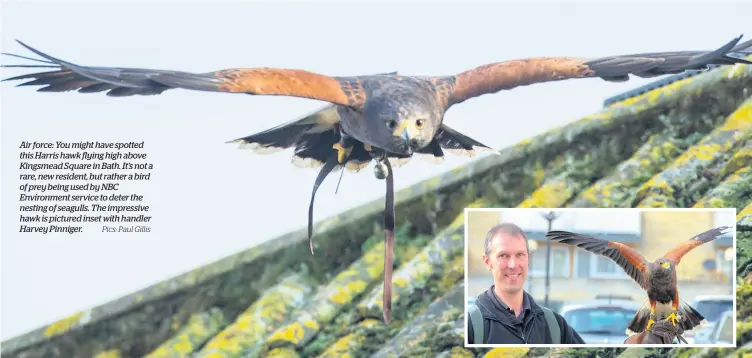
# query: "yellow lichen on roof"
330,300
265,314
715,197
507,353
659,190
64,324
552,194
744,212
741,119
741,159
111,353
431,261
283,353
200,327
348,345
649,98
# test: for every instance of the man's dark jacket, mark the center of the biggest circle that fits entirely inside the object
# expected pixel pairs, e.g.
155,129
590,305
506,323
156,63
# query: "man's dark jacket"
502,327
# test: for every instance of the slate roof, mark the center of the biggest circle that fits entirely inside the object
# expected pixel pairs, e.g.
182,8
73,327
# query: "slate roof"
688,143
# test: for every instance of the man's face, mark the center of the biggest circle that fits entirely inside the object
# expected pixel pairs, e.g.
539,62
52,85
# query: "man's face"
507,261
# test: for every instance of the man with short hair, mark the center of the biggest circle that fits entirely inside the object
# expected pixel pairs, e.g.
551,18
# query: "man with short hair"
505,313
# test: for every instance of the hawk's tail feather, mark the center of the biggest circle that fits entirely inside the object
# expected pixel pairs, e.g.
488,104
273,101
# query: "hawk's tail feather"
640,320
690,318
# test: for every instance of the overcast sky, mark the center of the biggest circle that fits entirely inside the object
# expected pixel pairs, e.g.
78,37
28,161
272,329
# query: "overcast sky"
210,199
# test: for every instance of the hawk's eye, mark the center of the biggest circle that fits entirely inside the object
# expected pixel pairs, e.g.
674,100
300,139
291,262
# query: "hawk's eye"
391,124
419,123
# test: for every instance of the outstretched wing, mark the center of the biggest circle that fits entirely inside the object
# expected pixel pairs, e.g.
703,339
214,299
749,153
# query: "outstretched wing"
676,254
495,77
122,82
626,257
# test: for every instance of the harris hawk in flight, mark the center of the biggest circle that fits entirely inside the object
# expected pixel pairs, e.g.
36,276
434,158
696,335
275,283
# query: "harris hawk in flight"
657,278
386,118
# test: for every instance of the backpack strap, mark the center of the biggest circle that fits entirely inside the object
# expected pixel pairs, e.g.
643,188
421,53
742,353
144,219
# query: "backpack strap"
476,318
553,325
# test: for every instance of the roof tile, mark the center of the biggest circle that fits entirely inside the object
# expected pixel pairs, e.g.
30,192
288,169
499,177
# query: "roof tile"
200,328
259,319
686,170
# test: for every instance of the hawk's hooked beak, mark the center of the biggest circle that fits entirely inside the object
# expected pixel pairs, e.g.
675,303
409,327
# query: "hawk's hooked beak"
406,131
406,136
666,265
402,131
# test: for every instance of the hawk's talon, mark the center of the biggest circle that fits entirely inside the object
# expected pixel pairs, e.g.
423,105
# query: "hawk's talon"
650,324
673,318
367,147
342,152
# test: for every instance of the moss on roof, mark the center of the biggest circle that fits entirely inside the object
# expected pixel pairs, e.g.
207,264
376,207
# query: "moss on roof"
688,144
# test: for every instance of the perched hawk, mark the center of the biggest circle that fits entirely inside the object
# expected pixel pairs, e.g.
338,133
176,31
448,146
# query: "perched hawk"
657,278
384,117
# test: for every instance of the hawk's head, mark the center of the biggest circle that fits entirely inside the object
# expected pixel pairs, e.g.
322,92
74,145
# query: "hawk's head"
403,121
664,263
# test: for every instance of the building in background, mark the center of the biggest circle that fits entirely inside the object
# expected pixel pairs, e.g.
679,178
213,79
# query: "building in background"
577,274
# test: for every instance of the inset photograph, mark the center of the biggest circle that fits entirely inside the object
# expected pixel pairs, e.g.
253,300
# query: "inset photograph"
606,277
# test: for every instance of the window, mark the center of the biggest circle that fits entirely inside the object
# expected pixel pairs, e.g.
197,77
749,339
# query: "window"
591,265
559,261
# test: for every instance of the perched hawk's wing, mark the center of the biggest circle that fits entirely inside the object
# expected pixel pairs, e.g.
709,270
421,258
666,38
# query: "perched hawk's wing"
495,77
626,257
676,254
122,82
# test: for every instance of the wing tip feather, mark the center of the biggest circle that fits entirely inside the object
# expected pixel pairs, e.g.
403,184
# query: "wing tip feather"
256,147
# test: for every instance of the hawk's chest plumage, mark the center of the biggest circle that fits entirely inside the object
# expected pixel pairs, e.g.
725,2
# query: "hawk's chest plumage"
662,284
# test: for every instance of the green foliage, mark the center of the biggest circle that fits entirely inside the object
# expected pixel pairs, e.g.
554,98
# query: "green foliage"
538,352
684,352
744,299
743,254
593,352
743,312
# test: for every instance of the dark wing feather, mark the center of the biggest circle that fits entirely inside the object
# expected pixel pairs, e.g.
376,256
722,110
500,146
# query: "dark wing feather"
459,144
311,137
139,81
626,257
495,77
454,142
676,254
